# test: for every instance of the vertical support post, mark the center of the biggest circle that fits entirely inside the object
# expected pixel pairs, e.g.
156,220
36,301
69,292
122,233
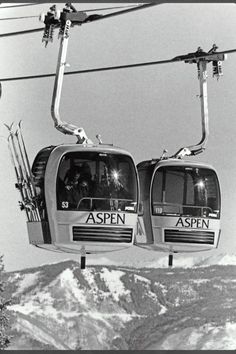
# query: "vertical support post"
60,125
200,147
56,97
83,258
202,64
170,260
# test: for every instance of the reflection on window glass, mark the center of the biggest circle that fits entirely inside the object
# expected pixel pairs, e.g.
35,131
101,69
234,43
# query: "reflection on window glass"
186,191
96,181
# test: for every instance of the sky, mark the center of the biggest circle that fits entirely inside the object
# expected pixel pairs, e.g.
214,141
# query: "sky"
143,110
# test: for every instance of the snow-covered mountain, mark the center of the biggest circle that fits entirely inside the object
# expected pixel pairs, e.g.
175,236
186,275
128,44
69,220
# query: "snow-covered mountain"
140,258
60,306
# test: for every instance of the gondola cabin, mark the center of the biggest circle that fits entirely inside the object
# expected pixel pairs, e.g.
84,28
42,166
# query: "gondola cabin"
181,205
87,196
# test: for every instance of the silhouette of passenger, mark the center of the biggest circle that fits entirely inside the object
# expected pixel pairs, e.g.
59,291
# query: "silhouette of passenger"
86,184
72,192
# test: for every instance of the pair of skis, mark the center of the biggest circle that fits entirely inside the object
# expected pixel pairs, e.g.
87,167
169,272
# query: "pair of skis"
25,180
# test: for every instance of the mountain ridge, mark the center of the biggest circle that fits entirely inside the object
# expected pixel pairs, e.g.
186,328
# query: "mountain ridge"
59,306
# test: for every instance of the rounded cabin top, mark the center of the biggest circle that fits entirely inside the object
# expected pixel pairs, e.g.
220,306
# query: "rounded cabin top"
96,170
154,163
57,151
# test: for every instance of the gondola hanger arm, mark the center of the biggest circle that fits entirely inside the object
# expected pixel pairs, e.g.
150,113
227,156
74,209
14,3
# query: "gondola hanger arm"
65,24
201,61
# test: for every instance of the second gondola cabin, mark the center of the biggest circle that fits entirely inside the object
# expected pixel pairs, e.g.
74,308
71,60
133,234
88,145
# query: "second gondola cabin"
181,205
87,196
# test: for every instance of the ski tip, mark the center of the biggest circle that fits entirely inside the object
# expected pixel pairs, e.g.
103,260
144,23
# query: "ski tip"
9,127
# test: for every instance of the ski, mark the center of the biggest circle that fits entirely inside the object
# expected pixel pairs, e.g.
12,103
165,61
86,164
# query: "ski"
27,202
27,169
18,184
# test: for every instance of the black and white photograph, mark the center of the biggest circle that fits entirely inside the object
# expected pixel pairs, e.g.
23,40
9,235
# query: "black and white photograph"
118,175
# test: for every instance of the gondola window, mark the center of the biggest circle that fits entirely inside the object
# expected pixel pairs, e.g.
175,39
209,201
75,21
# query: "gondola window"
90,181
187,191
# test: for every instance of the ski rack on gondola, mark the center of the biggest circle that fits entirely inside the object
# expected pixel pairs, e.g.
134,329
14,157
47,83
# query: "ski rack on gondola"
25,180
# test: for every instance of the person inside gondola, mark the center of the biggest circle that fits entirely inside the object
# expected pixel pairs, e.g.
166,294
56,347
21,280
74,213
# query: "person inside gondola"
72,193
78,186
86,186
85,181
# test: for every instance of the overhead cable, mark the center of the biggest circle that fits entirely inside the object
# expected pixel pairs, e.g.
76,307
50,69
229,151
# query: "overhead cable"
17,18
108,8
89,10
21,32
21,5
139,7
85,71
101,17
118,67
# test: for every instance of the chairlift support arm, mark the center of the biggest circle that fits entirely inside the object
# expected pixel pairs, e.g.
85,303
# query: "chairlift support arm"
64,22
216,59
